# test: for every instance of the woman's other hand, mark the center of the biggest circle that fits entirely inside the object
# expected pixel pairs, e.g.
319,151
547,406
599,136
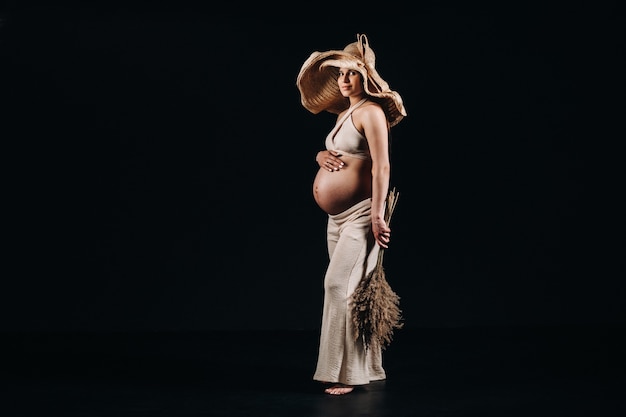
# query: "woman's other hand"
382,233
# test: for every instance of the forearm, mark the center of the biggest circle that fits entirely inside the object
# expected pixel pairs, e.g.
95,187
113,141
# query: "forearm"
380,188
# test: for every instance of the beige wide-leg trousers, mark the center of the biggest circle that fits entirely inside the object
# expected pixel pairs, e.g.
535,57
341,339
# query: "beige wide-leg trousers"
353,253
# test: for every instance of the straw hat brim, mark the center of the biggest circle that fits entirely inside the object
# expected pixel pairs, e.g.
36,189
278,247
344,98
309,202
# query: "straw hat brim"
319,91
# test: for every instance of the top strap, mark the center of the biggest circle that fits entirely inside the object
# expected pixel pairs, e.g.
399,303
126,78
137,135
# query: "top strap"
345,116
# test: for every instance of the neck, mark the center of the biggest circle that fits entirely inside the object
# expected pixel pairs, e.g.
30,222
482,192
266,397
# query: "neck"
357,100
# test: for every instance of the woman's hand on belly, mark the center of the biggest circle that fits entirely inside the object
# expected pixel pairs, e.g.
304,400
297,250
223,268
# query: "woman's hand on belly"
329,160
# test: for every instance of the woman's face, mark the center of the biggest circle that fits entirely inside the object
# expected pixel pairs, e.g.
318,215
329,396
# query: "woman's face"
350,83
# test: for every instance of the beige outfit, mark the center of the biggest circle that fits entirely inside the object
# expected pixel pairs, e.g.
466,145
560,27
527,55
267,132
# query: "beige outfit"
353,253
346,139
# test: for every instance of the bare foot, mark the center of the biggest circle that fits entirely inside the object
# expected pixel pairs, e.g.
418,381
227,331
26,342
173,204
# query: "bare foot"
339,389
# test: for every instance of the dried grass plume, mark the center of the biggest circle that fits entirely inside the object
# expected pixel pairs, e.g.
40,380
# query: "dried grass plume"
375,306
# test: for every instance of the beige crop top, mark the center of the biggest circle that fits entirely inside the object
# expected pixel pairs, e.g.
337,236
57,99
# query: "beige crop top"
345,139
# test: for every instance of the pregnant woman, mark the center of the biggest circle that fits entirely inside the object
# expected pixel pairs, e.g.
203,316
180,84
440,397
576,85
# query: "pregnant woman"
351,186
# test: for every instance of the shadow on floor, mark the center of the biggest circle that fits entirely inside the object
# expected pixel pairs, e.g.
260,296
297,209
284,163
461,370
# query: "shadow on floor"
499,372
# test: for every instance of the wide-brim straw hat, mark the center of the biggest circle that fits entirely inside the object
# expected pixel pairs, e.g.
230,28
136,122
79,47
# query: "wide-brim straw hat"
319,91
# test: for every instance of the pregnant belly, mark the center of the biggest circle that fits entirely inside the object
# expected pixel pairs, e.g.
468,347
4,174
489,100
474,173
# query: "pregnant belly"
337,191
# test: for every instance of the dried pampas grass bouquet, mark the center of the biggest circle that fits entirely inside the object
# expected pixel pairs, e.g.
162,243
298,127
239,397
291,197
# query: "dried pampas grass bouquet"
375,306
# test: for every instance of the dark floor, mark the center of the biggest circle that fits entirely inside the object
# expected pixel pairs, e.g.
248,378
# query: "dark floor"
483,372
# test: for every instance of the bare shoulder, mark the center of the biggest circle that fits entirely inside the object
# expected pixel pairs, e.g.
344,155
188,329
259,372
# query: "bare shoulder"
369,113
370,107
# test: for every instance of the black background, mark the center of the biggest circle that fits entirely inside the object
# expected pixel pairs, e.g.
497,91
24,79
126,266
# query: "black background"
159,164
